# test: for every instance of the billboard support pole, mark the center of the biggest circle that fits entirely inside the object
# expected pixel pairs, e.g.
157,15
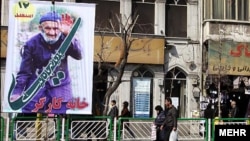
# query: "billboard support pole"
38,126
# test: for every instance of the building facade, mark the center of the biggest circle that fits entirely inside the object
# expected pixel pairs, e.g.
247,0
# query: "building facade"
225,41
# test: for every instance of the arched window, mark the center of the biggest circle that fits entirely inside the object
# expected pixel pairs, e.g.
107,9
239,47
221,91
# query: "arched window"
175,87
142,92
142,72
173,80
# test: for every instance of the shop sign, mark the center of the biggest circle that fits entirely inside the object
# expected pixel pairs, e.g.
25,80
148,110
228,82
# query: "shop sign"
229,58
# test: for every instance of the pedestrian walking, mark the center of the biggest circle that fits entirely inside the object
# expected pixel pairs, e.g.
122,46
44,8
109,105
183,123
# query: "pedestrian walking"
159,120
170,123
126,113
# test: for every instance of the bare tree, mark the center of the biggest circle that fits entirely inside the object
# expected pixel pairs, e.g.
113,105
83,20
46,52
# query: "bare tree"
126,39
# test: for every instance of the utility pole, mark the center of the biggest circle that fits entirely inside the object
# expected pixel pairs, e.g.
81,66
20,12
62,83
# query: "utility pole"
221,33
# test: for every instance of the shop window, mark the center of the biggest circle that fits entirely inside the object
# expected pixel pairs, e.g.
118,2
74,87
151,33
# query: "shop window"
146,11
105,11
142,93
227,9
176,18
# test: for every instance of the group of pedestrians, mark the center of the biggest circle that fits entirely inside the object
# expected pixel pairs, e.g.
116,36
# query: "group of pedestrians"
166,120
113,113
232,112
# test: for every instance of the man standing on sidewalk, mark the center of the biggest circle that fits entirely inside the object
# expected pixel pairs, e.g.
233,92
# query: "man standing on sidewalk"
170,123
113,111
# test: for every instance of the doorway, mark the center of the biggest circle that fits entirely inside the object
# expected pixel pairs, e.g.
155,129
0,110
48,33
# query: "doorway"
175,87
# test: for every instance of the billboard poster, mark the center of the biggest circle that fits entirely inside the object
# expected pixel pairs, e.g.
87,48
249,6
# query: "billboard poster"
49,59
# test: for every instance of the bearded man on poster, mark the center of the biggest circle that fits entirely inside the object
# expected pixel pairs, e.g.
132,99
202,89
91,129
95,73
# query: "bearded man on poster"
36,54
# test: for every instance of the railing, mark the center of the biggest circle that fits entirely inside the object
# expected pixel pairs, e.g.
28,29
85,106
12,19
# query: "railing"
135,128
102,128
2,128
82,127
189,129
32,128
192,129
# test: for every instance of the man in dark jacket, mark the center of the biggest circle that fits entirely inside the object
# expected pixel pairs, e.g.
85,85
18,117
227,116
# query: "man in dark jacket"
234,112
209,112
170,123
126,113
114,110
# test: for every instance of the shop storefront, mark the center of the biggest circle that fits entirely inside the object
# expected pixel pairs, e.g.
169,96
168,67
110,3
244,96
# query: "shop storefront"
228,72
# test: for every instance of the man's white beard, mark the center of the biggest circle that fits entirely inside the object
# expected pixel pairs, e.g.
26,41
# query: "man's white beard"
49,40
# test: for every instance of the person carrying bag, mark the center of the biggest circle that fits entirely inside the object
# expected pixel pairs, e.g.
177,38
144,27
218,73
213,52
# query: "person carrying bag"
158,122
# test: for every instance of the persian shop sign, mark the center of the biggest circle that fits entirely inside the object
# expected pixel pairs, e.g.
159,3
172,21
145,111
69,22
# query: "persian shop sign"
235,58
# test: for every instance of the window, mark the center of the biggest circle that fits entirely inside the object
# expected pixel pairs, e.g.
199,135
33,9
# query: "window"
218,9
142,93
172,81
244,11
145,9
227,9
105,11
176,18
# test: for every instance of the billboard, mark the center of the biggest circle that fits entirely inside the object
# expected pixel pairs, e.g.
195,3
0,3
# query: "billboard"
49,59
